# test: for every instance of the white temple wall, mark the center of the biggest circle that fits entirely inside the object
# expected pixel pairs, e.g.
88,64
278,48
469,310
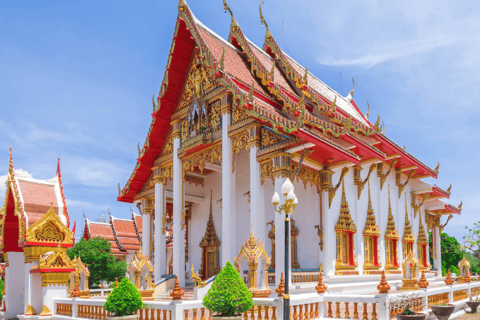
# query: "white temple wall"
50,293
306,216
361,209
14,285
36,284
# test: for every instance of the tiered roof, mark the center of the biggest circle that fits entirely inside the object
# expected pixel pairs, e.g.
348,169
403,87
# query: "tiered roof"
125,234
275,90
94,229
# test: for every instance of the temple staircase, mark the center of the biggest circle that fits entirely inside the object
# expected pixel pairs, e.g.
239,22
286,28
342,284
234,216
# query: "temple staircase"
188,293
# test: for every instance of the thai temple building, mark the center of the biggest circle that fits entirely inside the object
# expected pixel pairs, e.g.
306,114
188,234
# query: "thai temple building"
35,236
232,121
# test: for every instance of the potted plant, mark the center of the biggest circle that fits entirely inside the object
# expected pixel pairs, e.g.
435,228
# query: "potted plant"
229,296
473,303
405,302
443,311
124,301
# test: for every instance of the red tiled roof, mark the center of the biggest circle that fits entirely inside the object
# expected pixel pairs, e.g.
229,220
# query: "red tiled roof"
98,229
37,194
235,64
125,234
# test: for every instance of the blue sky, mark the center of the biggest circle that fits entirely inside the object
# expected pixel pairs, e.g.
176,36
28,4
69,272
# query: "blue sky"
77,79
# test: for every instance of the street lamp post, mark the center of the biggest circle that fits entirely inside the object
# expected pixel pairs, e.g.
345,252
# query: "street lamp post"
288,208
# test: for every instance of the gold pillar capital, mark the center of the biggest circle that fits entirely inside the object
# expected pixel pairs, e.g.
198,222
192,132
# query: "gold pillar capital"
326,179
282,164
176,128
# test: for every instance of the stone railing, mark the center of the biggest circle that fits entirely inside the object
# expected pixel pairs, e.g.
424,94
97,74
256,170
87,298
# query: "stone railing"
100,292
307,306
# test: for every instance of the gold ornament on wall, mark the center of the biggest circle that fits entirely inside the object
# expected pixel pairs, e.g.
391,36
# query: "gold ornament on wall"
333,191
383,176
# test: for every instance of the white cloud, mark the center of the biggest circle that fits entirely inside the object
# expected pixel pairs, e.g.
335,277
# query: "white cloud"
80,205
94,172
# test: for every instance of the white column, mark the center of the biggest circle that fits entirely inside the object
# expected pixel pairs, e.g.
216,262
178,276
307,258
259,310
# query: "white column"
14,285
358,237
160,243
146,231
178,232
28,286
329,238
229,249
279,219
257,197
437,259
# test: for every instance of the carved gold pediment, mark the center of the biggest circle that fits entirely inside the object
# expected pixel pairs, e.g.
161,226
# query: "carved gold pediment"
49,229
58,259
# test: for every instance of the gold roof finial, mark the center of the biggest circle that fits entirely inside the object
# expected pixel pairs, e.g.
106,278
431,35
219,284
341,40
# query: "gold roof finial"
460,206
252,241
449,188
227,8
344,197
268,35
10,162
368,112
377,123
436,168
353,89
210,217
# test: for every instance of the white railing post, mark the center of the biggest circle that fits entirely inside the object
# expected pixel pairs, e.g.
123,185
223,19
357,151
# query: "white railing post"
280,310
74,308
425,300
322,307
384,307
177,312
450,295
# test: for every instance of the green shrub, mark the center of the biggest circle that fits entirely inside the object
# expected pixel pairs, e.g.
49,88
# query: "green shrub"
124,300
228,295
2,285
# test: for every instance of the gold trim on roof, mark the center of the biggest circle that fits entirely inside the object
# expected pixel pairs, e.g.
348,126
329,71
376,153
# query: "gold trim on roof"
49,229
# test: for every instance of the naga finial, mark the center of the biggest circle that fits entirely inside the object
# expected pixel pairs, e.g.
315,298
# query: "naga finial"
350,94
449,188
436,168
377,123
227,8
262,19
368,112
139,150
154,104
119,190
460,206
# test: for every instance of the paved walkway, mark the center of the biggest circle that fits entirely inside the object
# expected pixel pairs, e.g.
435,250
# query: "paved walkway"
469,316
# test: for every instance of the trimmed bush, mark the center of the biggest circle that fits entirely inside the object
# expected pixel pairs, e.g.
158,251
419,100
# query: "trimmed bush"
124,300
2,285
228,296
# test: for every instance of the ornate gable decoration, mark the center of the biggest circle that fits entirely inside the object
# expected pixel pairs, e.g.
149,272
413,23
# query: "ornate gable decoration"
199,83
56,259
49,229
139,262
391,232
371,228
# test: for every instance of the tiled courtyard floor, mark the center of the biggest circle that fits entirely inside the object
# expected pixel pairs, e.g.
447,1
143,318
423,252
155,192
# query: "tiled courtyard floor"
469,316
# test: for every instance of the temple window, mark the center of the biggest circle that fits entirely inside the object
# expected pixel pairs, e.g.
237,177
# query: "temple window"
371,233
210,248
391,239
345,230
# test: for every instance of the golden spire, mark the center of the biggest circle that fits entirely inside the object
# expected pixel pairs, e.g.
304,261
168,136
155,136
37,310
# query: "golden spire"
421,239
371,228
252,241
391,232
407,234
345,222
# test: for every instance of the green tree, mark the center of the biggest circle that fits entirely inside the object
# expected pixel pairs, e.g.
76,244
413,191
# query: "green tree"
228,296
96,254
